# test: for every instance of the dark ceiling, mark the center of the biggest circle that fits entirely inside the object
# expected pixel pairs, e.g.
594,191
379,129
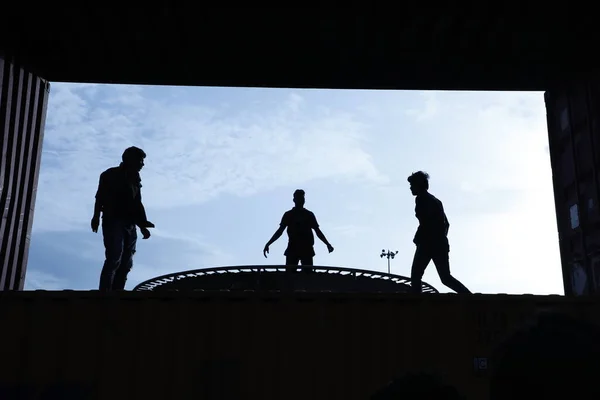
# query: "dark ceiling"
301,47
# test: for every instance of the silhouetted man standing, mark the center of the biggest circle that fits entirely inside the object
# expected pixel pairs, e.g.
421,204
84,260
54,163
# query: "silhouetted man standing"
119,200
431,237
300,223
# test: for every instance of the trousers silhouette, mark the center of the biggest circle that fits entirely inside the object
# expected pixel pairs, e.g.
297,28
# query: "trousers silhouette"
119,241
291,262
423,256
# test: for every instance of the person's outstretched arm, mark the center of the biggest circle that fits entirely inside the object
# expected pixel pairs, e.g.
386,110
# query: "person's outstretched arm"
276,235
320,234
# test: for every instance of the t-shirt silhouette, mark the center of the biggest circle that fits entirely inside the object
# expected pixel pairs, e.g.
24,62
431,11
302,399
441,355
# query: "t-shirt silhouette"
119,192
433,224
300,223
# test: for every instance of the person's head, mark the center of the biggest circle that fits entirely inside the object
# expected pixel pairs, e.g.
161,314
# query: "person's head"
133,158
419,182
556,356
299,199
413,386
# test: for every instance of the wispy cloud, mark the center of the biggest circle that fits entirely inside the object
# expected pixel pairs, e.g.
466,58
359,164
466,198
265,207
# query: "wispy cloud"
194,151
222,164
37,279
349,230
428,110
167,253
63,260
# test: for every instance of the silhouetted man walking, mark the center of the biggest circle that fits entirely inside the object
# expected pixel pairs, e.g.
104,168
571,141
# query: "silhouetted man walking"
119,200
431,237
300,223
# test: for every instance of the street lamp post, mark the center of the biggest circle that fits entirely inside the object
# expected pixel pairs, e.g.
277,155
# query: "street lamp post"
389,255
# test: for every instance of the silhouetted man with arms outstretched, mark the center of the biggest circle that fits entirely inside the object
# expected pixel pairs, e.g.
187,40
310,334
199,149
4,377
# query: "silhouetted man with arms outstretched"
431,237
300,223
119,200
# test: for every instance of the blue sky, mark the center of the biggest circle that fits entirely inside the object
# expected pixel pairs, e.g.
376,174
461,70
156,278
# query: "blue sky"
223,163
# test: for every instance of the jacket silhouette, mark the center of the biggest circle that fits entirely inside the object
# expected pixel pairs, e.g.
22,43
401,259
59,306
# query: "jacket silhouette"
119,202
431,237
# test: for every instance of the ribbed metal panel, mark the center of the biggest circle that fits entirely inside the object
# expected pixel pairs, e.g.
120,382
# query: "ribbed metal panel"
23,104
574,142
256,345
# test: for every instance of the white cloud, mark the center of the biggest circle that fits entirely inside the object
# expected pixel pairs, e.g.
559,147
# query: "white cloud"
429,109
74,259
172,252
489,163
197,244
486,154
348,230
37,279
484,142
194,153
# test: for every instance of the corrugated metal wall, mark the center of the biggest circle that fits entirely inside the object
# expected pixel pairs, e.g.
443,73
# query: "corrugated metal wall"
23,104
574,141
254,345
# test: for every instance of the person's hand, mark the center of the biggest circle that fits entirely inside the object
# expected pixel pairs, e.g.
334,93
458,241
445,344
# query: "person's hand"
95,224
145,233
266,251
149,225
329,248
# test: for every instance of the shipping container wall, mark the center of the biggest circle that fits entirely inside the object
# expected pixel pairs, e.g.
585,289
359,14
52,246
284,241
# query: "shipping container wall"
574,142
254,345
23,104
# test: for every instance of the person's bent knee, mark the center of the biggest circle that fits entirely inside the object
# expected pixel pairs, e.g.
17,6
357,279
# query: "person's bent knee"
446,278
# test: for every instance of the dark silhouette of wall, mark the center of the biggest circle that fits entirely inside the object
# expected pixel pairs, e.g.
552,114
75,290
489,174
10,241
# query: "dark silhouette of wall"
574,148
23,104
553,356
271,345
